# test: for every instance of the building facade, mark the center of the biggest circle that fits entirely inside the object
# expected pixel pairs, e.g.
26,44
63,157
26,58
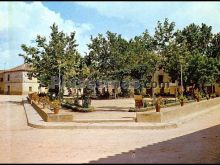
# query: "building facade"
16,81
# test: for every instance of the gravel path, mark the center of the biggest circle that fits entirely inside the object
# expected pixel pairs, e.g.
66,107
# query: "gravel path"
197,141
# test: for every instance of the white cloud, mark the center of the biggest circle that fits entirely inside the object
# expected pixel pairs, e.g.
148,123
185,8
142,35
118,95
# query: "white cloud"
20,22
148,13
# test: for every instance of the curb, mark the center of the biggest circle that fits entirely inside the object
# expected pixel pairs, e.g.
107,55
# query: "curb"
44,126
34,120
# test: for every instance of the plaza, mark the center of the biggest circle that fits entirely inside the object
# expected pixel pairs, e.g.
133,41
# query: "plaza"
96,83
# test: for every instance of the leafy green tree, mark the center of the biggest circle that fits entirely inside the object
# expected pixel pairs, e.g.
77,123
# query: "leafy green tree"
197,38
141,58
48,57
202,70
164,33
175,56
106,55
214,50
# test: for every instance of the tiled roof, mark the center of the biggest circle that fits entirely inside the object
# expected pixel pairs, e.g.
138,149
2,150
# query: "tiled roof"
23,67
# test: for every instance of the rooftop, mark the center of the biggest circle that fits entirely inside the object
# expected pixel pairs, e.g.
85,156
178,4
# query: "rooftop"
23,67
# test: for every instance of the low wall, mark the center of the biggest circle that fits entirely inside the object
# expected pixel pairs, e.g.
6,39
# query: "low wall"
179,112
59,118
13,93
42,113
48,116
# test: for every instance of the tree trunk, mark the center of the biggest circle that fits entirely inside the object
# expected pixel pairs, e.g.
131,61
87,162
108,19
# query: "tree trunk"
97,88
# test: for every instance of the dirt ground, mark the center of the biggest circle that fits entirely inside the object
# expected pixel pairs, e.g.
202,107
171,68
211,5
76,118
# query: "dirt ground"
197,141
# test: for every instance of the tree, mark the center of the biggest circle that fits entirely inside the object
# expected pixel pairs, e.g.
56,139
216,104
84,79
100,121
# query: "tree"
197,38
201,70
175,56
214,50
164,33
141,58
106,55
47,57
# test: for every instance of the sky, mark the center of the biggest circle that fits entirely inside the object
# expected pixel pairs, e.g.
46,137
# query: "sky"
21,22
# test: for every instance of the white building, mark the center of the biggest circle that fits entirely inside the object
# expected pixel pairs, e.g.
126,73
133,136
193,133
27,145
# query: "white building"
15,81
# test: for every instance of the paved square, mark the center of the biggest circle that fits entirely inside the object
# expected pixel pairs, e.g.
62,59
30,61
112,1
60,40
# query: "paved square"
197,141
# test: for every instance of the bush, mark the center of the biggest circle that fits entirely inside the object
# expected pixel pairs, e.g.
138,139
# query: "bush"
182,98
189,97
159,101
55,104
198,95
44,100
130,93
35,96
213,95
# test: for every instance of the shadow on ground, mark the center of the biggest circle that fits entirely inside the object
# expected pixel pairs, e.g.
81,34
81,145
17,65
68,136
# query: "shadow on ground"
199,147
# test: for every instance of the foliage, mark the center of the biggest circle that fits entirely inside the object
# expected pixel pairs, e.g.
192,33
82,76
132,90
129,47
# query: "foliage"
198,95
197,37
159,101
55,104
34,96
201,69
48,57
44,100
213,95
194,48
182,98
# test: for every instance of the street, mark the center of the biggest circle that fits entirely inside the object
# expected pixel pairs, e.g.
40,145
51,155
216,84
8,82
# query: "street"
197,141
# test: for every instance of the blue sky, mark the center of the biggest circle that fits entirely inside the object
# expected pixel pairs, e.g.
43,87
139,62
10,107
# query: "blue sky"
20,22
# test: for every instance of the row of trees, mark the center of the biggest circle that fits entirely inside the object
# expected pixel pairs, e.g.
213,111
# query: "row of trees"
195,47
111,57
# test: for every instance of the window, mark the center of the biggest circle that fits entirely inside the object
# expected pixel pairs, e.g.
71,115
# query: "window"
8,77
1,80
30,89
29,77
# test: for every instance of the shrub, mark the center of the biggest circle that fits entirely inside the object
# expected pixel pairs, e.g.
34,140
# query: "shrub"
159,101
213,95
35,97
182,98
45,101
55,104
198,95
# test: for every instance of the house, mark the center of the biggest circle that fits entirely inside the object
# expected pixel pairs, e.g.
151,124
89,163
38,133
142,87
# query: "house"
1,81
15,81
164,85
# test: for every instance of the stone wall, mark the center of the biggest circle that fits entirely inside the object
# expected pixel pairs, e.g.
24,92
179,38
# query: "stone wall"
49,116
179,112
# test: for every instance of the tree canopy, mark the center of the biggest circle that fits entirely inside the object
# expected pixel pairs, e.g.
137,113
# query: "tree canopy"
110,56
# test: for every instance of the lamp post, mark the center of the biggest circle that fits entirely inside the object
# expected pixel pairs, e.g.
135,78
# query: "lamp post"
181,70
59,62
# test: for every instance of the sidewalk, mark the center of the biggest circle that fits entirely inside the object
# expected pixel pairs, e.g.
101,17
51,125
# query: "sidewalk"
34,120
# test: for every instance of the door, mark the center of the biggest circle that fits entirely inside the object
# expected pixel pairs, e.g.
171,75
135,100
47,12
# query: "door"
8,91
160,80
